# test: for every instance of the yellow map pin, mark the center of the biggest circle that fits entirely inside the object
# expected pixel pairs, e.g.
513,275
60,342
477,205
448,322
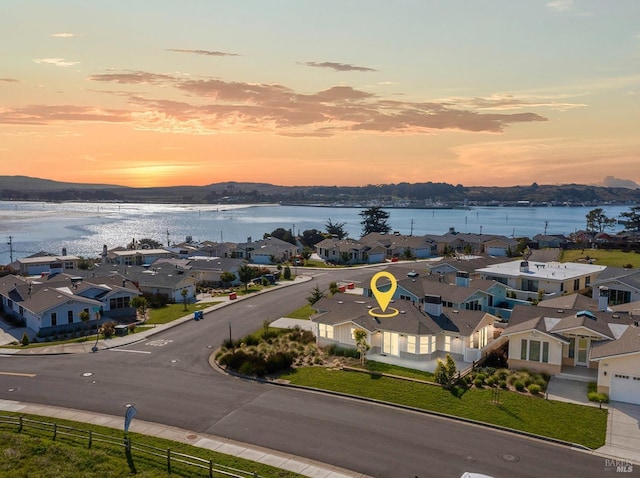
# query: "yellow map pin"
384,297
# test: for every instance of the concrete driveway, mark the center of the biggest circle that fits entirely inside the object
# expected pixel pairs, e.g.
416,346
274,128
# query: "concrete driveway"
623,432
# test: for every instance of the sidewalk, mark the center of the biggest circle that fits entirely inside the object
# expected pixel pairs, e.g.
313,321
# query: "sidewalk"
114,342
258,454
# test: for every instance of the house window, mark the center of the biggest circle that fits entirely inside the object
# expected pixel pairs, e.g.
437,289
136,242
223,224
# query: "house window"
530,285
54,319
530,350
619,297
424,345
322,330
587,281
119,303
329,331
447,343
432,344
576,284
411,344
70,316
534,350
572,347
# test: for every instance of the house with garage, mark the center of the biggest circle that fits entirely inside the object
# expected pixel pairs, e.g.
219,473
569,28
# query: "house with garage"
44,263
557,341
53,305
349,251
401,246
270,250
414,337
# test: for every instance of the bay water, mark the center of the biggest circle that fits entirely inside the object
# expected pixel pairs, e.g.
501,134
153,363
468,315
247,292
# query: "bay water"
82,228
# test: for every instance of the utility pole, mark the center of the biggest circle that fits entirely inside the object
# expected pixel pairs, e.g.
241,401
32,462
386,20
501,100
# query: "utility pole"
10,243
411,233
168,242
546,224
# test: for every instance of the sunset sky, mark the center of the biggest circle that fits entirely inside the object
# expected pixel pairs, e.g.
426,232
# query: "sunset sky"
322,92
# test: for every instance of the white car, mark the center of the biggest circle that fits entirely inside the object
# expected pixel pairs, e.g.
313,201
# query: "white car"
470,474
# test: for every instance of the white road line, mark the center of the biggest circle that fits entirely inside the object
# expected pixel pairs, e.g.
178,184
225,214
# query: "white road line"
132,351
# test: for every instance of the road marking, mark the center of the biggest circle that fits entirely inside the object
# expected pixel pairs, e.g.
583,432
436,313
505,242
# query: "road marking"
159,342
131,351
17,374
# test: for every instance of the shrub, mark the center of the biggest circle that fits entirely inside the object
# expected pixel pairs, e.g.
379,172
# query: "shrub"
478,383
592,387
519,385
534,389
502,374
108,329
598,397
25,339
503,384
132,327
491,381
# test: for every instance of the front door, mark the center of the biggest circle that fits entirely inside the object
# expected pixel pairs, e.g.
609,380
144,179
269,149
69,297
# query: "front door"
582,355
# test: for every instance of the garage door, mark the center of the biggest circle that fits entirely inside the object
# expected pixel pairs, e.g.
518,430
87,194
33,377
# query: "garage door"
625,388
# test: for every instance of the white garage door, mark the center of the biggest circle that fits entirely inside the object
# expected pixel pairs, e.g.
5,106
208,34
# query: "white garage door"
625,388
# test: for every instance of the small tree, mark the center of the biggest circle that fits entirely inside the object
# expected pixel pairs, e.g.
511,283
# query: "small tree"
361,344
25,339
227,278
287,273
333,288
184,293
445,371
85,316
336,229
316,295
246,273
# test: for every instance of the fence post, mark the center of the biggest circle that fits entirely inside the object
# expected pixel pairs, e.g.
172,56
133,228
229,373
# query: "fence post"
169,460
55,431
20,427
90,438
210,468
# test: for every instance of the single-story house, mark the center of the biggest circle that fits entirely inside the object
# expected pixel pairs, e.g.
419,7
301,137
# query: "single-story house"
44,263
349,251
266,251
399,245
53,305
414,337
623,284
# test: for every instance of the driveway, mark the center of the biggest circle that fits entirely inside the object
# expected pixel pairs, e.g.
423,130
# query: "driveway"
623,432
623,421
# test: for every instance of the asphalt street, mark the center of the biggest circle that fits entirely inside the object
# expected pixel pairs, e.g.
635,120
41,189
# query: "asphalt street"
170,381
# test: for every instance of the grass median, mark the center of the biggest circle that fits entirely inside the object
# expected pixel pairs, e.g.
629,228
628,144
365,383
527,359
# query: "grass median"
578,424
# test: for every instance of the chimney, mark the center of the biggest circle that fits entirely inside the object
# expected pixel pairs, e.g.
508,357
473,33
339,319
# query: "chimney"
64,251
433,305
603,298
524,266
462,279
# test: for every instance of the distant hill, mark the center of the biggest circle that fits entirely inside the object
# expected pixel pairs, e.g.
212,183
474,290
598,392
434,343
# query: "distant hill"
402,194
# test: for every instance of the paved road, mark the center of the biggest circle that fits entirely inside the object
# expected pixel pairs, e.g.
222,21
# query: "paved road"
169,380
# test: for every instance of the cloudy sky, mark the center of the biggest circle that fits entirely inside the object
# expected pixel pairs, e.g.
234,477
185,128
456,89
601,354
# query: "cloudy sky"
322,92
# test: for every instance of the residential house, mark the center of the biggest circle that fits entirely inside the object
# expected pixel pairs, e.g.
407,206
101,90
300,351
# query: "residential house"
414,337
44,263
53,304
349,251
401,246
555,340
536,280
623,284
134,257
266,251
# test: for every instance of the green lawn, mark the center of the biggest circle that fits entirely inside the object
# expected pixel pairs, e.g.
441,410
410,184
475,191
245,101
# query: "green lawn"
601,257
171,312
565,421
303,313
34,453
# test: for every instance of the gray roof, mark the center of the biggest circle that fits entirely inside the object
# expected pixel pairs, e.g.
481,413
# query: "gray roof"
627,343
343,308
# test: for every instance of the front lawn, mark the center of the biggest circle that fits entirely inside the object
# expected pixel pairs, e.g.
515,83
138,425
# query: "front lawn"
565,421
171,312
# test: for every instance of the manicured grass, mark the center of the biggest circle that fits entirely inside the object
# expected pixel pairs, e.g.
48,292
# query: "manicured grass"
303,313
171,312
602,257
565,421
34,453
400,371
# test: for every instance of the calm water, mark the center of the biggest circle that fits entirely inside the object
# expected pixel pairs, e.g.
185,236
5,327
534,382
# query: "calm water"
83,228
